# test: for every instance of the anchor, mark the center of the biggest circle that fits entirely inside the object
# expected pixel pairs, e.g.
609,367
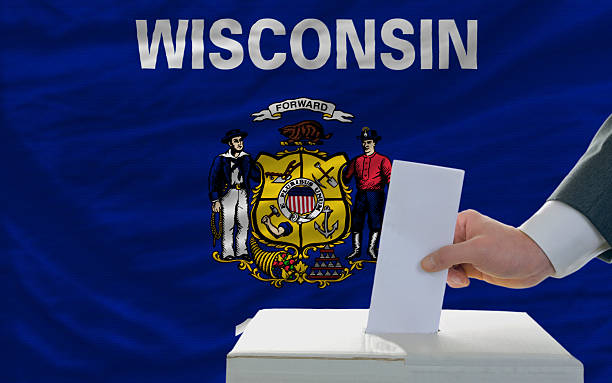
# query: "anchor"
326,231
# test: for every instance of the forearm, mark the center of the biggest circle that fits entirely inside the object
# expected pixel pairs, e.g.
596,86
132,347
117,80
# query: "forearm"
568,238
276,231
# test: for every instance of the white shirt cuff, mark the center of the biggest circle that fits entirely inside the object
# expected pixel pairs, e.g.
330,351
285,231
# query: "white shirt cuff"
566,236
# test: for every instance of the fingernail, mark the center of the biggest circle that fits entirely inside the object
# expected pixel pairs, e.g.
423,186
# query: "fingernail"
428,263
456,280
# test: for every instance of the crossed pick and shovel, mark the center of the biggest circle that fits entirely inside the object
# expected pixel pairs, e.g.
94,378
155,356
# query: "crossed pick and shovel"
330,180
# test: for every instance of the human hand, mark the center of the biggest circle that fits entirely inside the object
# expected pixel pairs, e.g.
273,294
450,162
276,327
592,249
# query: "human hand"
216,207
265,219
491,251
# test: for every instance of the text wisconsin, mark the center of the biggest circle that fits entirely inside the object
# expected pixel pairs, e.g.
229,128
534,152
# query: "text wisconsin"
224,36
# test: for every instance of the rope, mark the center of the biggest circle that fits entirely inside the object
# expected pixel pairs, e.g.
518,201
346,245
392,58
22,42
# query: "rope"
216,233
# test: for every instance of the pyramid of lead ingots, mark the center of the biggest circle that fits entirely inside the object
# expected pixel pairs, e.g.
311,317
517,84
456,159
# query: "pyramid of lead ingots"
326,266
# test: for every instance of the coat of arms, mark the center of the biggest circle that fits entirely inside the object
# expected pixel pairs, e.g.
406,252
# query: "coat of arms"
300,205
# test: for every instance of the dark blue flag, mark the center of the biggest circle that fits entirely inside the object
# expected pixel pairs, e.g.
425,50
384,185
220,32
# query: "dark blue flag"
170,168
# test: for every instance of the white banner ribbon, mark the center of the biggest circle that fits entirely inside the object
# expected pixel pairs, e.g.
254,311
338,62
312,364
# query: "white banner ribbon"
274,111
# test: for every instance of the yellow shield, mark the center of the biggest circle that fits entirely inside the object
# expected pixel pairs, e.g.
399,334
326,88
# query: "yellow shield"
302,201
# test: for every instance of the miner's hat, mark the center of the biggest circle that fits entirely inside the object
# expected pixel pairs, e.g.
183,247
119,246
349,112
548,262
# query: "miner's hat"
367,134
233,133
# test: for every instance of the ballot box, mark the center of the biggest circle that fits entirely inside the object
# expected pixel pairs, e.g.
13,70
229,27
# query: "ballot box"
326,346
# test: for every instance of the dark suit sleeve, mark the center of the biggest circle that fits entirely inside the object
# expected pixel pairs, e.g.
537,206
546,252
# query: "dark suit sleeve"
588,187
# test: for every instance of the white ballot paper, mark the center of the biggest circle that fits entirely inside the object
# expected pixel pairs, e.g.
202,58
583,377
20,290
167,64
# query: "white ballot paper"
420,216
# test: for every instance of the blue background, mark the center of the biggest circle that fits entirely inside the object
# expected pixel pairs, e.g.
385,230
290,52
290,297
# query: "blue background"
105,244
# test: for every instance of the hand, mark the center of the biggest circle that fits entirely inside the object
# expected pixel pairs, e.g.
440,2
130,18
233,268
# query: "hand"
216,207
491,251
265,220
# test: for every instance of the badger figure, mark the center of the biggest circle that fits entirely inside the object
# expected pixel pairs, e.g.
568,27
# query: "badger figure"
308,131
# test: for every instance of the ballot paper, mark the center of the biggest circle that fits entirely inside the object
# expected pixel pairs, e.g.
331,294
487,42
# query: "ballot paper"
420,216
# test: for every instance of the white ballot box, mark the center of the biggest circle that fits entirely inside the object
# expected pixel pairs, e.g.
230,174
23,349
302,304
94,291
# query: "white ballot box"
327,346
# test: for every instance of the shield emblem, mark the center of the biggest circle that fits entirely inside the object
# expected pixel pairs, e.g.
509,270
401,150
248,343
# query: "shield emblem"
304,199
300,200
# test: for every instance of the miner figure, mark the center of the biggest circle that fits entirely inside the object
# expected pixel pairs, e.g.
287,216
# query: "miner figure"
229,183
372,172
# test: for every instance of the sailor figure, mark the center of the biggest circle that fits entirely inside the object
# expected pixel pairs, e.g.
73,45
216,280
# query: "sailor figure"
229,183
372,172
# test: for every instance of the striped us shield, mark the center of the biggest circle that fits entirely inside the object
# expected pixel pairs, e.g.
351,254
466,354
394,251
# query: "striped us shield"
301,200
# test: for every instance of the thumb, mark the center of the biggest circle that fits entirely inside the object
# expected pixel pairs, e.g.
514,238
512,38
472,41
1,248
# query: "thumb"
448,256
